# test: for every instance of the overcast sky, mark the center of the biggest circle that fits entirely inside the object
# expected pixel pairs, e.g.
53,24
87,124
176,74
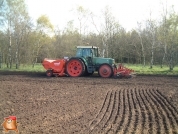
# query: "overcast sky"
126,12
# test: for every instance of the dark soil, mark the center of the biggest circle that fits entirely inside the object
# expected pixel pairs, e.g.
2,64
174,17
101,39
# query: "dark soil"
66,105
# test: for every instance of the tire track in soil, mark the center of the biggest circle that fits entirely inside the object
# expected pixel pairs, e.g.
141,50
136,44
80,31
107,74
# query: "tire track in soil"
146,111
153,104
143,111
169,113
108,125
135,116
148,115
138,112
108,114
112,127
132,108
151,115
101,112
105,113
123,109
163,123
135,111
165,100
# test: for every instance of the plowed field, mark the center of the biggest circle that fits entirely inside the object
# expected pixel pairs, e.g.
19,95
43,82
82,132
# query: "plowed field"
90,105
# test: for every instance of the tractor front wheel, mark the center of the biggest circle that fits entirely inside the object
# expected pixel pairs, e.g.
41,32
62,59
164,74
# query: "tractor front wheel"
105,71
75,67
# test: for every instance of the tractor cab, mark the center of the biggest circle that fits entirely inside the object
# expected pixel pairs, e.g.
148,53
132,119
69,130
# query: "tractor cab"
87,51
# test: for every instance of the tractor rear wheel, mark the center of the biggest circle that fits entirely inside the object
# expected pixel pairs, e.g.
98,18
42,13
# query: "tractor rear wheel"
75,67
105,71
49,73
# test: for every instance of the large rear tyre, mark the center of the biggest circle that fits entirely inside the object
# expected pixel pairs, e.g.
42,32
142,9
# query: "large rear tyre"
105,71
75,67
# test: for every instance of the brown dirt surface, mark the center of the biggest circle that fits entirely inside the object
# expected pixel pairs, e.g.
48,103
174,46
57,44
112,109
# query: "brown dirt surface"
89,105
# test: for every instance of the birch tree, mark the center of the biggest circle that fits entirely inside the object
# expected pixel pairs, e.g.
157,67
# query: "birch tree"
151,28
173,39
139,31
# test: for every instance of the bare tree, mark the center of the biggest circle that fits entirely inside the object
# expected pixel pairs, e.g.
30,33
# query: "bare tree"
173,21
151,34
164,32
83,15
139,31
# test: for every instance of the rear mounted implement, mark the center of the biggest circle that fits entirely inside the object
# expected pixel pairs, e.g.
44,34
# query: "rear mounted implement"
123,72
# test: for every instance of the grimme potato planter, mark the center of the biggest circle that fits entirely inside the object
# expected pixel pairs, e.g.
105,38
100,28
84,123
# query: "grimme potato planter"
54,67
86,62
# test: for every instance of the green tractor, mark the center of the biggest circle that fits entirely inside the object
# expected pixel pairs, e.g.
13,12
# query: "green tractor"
86,62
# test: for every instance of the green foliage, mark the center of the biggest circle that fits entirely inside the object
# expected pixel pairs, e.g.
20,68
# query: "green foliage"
25,68
44,22
156,70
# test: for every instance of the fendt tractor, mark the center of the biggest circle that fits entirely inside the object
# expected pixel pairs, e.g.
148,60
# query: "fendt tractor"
85,63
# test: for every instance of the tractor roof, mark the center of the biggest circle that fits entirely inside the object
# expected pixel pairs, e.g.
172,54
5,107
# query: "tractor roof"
87,47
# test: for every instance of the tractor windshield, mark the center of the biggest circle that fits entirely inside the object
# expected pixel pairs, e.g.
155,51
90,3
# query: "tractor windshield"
79,52
85,52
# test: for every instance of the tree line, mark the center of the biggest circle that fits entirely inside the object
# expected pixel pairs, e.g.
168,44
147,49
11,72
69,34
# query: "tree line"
22,41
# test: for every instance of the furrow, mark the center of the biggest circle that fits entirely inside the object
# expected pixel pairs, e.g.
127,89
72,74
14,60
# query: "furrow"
129,127
99,126
143,113
119,99
135,113
151,112
123,116
120,112
139,112
155,106
101,112
162,118
166,102
103,124
113,115
167,113
148,116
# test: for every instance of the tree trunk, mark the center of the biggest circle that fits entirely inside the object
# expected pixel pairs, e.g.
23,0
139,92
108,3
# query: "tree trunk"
10,51
164,56
104,47
171,59
152,55
34,62
0,60
152,49
36,54
17,55
143,50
